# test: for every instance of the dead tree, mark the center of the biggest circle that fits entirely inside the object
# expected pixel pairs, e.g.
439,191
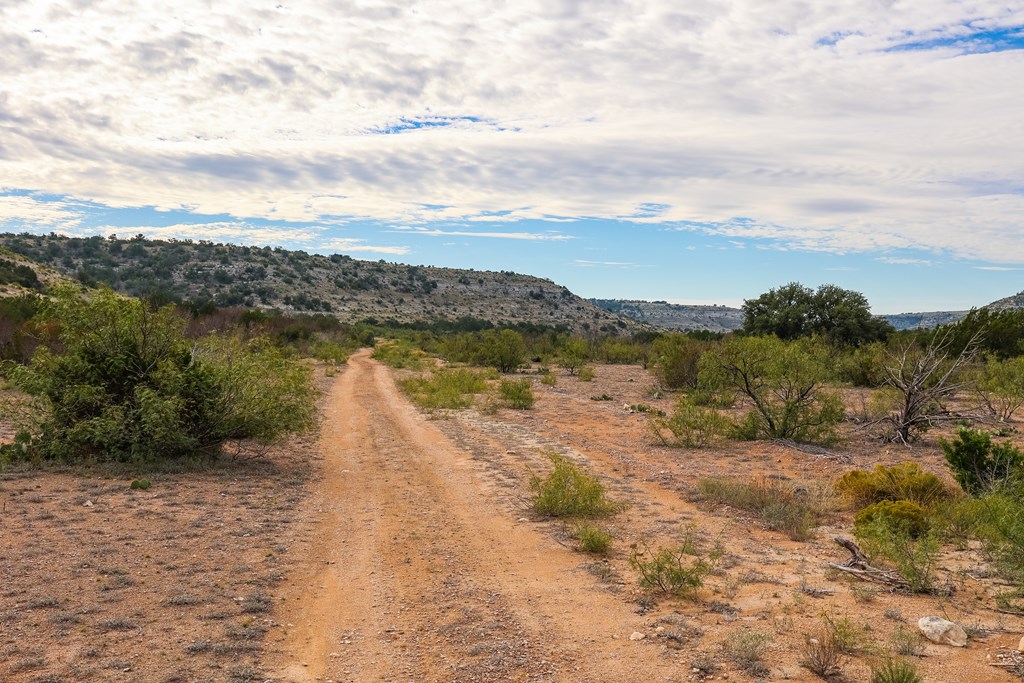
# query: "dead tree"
922,379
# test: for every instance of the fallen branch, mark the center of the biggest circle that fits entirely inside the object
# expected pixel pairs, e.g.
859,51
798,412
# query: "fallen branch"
811,449
859,567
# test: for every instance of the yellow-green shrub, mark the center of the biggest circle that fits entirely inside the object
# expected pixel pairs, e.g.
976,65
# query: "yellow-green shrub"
904,481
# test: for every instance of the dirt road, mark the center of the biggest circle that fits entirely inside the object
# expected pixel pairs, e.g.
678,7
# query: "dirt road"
425,575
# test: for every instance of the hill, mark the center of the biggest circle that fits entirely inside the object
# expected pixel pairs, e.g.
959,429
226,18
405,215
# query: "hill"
676,316
203,273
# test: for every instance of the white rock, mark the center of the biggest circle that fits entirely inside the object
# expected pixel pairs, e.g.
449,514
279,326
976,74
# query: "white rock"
636,635
87,504
939,630
1020,645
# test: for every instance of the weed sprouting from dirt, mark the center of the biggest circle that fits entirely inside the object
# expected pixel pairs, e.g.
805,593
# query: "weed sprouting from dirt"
592,539
822,656
746,649
896,671
674,570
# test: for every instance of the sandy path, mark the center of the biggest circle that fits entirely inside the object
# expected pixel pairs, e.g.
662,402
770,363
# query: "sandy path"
420,575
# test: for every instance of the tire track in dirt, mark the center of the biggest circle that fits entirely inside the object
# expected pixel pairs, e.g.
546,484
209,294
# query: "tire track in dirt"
418,572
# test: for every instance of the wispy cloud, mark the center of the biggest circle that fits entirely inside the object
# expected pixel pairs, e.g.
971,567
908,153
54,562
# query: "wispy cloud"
584,263
855,130
895,261
530,236
997,268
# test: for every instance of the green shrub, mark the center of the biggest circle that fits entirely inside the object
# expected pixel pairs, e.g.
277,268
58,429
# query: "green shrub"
904,481
573,354
503,350
446,388
399,354
780,506
676,358
592,539
847,636
517,394
586,374
674,570
904,514
691,426
1000,524
140,484
570,492
896,671
783,381
979,465
127,385
549,379
914,558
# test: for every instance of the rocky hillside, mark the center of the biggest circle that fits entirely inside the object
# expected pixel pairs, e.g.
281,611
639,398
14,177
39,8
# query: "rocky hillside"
668,316
912,321
294,281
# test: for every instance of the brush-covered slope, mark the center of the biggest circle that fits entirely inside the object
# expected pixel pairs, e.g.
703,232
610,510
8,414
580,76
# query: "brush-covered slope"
294,281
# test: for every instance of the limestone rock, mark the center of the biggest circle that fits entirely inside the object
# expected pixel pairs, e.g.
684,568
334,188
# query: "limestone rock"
636,635
939,630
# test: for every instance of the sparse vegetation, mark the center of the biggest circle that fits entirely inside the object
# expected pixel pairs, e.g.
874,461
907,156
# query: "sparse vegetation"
691,426
822,656
780,506
913,557
746,649
678,570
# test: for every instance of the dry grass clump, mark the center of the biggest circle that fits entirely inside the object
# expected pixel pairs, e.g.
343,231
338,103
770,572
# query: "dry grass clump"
781,506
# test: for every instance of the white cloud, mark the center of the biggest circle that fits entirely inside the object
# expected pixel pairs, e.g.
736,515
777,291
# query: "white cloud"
529,236
904,261
19,212
620,264
797,116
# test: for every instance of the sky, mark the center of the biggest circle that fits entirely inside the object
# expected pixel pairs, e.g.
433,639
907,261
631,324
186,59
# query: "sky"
697,152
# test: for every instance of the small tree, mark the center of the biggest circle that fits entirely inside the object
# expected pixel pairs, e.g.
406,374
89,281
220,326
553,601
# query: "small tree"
573,354
921,378
1000,386
783,380
504,350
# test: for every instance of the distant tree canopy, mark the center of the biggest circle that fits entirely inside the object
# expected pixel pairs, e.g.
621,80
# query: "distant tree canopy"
792,311
1000,333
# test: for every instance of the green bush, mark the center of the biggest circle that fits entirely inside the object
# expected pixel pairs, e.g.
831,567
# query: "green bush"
125,384
780,506
446,388
517,394
586,374
504,350
896,671
979,465
904,481
549,379
691,426
570,492
573,354
1000,525
399,354
904,514
675,360
592,539
675,570
914,558
783,381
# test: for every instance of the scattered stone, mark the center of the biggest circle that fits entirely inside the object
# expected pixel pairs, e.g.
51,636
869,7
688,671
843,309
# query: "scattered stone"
87,504
636,635
1020,645
939,630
